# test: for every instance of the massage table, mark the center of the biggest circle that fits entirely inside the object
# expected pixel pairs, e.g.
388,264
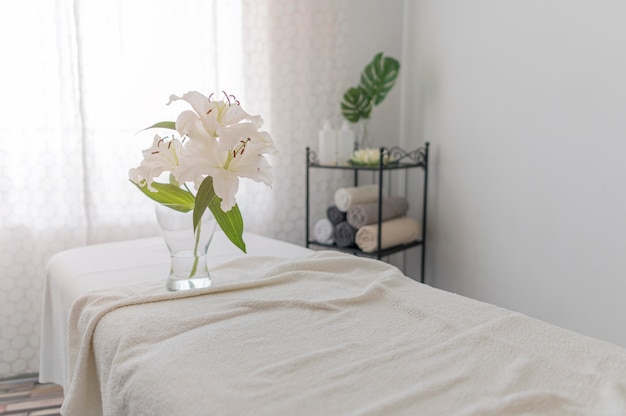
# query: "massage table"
285,330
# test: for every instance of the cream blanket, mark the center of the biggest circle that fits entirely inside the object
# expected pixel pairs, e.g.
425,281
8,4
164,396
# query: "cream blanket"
330,334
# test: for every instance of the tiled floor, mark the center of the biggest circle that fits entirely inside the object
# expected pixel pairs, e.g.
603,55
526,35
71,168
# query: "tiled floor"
24,396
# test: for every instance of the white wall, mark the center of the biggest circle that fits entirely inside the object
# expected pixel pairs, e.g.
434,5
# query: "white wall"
524,103
376,26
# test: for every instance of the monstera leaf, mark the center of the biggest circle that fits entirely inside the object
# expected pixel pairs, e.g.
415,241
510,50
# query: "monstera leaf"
356,105
377,79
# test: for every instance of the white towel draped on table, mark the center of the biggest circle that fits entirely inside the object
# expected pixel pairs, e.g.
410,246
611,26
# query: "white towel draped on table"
330,333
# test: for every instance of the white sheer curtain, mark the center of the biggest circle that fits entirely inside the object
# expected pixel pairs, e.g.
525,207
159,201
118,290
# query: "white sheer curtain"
296,64
81,78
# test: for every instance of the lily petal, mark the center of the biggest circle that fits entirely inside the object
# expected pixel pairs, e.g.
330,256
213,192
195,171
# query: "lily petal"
231,135
235,114
257,168
189,124
197,159
226,185
199,102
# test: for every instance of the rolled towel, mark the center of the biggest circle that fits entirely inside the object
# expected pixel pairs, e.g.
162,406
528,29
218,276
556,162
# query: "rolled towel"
344,234
397,231
323,231
347,197
335,215
365,214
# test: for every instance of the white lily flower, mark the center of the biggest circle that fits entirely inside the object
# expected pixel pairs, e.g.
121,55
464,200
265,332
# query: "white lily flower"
212,114
234,156
224,143
218,140
162,156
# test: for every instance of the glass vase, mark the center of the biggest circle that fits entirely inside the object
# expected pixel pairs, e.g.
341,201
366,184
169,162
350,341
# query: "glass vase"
188,250
362,141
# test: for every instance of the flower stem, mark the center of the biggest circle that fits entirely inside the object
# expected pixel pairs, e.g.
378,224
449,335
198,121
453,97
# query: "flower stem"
195,252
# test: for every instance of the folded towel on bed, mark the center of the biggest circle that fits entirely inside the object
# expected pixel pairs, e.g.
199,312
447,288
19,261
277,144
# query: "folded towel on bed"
345,234
347,197
323,231
364,214
401,230
335,215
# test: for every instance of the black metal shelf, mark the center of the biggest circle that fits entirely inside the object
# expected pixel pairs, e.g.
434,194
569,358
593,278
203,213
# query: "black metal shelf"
365,168
390,159
376,254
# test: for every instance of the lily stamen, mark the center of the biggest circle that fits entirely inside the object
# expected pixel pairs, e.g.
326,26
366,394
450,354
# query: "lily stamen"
237,151
240,149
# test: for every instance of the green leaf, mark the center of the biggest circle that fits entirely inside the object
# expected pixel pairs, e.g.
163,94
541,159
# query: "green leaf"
379,76
230,222
170,196
356,104
163,125
203,198
377,79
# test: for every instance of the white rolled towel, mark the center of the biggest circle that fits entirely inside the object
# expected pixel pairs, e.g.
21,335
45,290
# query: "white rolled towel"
323,231
397,231
347,197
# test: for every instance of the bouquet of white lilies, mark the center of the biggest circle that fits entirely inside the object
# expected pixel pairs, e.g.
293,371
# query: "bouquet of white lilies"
210,147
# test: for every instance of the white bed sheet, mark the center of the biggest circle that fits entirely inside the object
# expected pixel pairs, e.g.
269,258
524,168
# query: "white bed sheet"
75,272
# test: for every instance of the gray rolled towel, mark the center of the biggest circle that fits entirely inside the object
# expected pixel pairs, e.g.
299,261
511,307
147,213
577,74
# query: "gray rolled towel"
335,215
345,234
365,214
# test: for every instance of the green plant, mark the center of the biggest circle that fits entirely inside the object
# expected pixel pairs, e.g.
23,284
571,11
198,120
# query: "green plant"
377,79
